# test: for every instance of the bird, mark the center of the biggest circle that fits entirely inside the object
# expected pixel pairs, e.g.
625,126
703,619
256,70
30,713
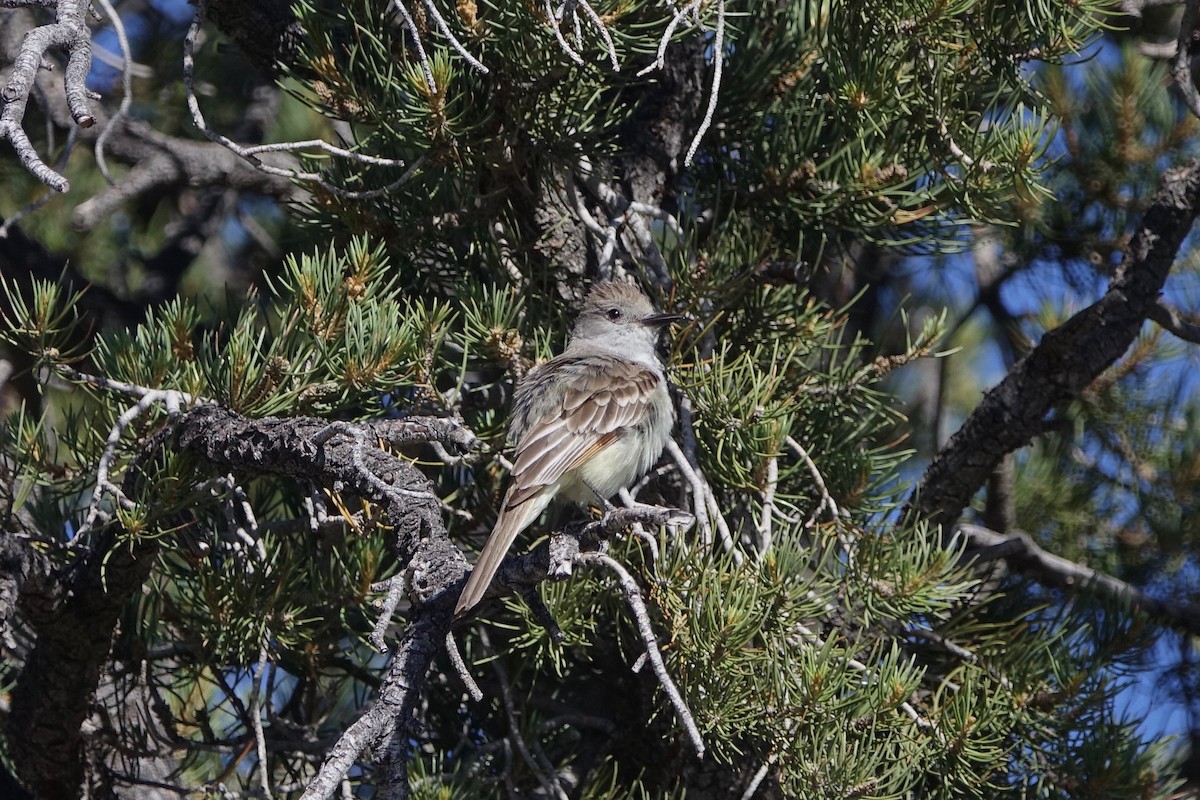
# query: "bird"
585,424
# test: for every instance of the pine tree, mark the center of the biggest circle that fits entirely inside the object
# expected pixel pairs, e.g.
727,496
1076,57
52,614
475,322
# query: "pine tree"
235,520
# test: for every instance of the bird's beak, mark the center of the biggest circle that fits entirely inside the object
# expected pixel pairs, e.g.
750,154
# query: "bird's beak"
661,320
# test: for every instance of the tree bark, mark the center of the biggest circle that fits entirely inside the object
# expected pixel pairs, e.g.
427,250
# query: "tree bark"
1066,360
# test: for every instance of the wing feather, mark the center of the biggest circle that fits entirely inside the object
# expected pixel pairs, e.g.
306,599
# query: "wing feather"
603,396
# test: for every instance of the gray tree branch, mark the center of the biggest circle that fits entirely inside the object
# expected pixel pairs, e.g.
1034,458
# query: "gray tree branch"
1025,556
1067,359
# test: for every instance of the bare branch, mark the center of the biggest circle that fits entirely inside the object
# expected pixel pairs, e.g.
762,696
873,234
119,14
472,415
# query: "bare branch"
1067,359
543,772
633,596
705,507
260,741
1173,321
718,63
70,32
450,37
460,667
827,501
1025,556
126,86
250,154
388,720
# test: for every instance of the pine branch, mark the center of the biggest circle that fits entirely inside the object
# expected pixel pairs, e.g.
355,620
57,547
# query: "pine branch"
1067,359
1024,555
312,449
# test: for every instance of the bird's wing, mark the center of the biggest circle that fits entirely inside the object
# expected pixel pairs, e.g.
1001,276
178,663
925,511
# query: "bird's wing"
603,396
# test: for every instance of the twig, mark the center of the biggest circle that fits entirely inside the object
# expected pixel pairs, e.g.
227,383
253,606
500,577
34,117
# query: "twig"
961,155
637,605
660,59
460,666
692,476
858,666
250,538
454,42
103,485
171,400
411,25
707,511
1025,556
639,530
546,777
758,777
558,34
1171,320
594,18
70,32
827,501
623,211
395,586
718,62
59,165
766,519
126,87
250,154
260,740
1068,358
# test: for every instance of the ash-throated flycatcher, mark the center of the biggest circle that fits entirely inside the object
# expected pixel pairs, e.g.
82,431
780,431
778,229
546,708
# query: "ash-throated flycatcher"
587,423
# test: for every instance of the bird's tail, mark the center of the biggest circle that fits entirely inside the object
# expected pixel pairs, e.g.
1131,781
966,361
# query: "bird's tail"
511,522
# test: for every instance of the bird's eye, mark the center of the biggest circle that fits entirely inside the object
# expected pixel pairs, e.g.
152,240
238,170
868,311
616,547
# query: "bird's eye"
614,314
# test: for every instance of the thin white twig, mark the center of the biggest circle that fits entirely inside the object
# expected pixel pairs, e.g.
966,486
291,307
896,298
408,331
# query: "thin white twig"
411,24
260,739
558,34
758,777
585,216
244,527
625,216
460,666
766,519
826,500
703,524
103,484
594,18
454,42
147,398
639,530
637,605
705,504
126,87
654,211
961,155
661,59
858,666
251,153
718,64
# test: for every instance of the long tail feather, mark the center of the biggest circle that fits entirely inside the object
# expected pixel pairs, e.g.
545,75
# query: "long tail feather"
511,522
